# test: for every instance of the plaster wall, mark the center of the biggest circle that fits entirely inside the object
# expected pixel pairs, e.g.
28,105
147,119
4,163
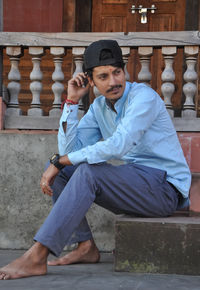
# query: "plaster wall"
23,207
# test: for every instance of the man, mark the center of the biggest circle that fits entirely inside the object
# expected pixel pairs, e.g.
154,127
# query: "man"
127,122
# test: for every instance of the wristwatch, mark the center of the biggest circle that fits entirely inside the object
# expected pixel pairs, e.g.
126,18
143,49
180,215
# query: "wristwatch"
55,161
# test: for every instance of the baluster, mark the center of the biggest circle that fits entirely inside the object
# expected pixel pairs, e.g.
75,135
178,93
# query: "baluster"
36,77
78,59
168,76
145,54
126,53
58,77
14,77
190,77
77,53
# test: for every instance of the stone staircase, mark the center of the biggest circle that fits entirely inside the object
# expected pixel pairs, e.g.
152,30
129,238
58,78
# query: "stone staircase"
168,245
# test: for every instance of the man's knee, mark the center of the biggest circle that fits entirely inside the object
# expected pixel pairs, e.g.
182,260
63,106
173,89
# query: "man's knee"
85,172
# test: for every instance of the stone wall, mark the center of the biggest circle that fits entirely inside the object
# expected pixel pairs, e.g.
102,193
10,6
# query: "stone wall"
23,207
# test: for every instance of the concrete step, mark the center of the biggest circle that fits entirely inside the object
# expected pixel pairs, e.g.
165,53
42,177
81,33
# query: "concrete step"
158,245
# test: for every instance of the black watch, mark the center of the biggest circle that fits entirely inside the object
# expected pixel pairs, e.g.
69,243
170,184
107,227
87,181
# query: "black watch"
55,161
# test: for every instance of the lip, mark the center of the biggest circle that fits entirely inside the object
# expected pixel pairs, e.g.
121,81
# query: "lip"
115,91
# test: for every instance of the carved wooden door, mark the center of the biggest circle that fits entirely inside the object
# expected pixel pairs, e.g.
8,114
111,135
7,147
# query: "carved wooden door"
118,16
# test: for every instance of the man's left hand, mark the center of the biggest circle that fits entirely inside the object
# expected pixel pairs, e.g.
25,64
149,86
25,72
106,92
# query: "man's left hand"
47,179
50,174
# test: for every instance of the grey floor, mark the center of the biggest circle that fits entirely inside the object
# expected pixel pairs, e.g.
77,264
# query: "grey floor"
97,276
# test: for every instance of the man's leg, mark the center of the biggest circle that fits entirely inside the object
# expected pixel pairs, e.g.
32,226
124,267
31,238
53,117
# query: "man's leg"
131,189
83,232
134,189
86,250
128,188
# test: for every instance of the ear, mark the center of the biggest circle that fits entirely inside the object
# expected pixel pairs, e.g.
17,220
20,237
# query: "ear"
91,82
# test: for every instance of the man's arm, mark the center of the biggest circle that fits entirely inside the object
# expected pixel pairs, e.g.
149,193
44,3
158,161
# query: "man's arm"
70,139
143,109
74,135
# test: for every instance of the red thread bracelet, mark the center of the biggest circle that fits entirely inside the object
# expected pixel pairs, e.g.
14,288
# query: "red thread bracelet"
71,102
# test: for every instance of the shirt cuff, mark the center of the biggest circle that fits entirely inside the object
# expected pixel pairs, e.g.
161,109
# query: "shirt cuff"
77,157
71,112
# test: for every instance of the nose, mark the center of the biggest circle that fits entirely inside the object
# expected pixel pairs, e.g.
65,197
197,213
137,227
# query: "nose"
112,80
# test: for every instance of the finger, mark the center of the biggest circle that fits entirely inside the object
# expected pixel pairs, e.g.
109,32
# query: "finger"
80,80
47,191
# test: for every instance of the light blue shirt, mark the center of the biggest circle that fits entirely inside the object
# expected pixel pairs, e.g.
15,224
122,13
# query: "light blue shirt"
140,131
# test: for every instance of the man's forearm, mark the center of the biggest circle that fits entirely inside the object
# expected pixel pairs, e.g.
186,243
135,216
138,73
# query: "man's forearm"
64,160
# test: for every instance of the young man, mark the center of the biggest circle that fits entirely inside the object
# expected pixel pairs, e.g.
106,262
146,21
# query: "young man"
128,122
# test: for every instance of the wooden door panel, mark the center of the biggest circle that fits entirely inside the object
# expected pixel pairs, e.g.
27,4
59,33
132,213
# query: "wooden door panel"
114,10
111,24
162,23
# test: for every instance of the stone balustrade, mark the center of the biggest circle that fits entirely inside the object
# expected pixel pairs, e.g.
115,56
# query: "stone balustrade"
59,43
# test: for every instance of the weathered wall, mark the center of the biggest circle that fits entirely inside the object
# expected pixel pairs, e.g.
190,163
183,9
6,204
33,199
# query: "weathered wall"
23,207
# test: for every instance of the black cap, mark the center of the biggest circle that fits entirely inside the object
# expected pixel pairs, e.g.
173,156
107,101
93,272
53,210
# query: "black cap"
93,52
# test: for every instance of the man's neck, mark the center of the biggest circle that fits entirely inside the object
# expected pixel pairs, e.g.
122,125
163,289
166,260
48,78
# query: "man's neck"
111,103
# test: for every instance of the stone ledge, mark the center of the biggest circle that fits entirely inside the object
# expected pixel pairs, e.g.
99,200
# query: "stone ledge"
158,245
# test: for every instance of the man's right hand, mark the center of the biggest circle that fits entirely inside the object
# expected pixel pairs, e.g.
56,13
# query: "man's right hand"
76,88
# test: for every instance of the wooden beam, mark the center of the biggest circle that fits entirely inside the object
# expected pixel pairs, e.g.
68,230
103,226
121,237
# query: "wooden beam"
133,39
69,8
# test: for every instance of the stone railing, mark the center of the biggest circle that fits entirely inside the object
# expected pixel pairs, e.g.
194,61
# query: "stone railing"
144,42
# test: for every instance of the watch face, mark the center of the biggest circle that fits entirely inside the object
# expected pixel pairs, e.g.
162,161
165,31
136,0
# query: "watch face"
53,157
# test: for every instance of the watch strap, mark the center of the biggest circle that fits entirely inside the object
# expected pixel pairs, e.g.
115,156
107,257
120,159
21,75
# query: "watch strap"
55,161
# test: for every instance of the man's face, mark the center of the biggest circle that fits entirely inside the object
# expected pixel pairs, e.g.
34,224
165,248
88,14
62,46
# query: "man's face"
110,81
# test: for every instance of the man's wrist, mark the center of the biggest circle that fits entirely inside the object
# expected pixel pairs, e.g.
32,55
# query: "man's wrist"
72,100
54,159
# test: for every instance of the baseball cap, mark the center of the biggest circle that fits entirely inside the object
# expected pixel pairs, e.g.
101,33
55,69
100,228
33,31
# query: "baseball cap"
93,52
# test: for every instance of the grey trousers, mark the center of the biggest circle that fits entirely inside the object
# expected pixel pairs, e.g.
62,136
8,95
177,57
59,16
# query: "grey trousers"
131,189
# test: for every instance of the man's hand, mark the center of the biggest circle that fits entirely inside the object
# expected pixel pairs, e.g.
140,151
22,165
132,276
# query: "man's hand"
50,174
76,88
47,179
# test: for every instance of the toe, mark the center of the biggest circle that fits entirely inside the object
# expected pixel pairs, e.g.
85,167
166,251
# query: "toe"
2,276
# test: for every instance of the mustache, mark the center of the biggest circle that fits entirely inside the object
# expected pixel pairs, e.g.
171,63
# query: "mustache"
114,87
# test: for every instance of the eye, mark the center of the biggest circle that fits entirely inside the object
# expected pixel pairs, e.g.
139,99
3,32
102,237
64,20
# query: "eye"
102,77
117,72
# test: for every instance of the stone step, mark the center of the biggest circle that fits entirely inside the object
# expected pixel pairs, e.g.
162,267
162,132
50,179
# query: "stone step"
168,245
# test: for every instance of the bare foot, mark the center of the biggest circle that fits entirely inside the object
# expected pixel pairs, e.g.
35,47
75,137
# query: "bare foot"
32,263
86,252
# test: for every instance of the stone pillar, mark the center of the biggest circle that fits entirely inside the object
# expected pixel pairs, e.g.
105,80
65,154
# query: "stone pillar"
126,53
36,78
168,76
77,53
190,77
145,54
14,77
58,77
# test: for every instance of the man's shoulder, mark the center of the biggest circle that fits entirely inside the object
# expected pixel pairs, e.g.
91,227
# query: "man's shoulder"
142,91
